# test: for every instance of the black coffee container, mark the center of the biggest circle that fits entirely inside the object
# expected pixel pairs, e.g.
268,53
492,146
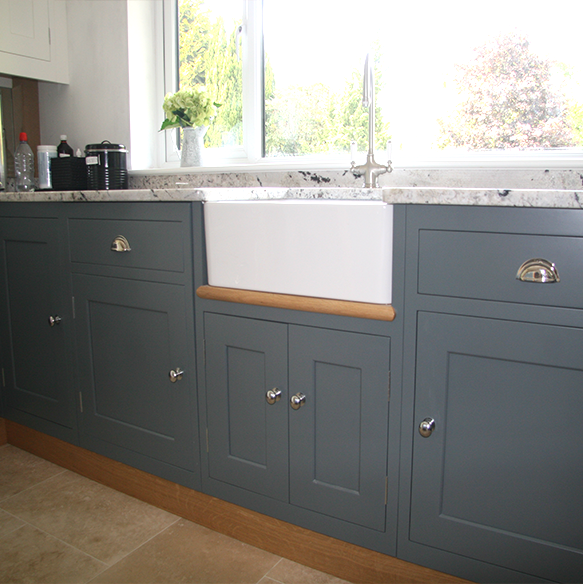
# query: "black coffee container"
106,166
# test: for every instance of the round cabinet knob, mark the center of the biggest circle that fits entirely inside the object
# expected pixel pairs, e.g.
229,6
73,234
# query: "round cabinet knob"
120,244
176,375
273,395
297,401
54,320
426,427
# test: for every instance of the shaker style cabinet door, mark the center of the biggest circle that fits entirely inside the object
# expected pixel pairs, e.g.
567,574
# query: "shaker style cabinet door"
36,325
338,434
135,373
498,475
24,28
247,403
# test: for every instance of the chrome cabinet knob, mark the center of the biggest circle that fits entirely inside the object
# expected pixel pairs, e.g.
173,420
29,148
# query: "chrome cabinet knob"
54,320
273,395
297,401
176,375
538,271
120,244
426,427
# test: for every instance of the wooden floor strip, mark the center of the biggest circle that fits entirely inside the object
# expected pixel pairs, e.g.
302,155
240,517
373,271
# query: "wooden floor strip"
3,434
341,559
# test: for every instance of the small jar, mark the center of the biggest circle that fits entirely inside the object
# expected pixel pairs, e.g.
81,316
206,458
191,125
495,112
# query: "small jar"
44,155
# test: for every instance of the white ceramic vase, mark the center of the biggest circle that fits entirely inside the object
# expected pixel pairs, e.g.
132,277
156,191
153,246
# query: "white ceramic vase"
192,146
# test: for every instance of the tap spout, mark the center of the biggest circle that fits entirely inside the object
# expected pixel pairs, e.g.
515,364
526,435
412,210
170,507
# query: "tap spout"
371,169
368,101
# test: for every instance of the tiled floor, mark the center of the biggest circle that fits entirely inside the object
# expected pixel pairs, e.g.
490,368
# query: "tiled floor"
59,527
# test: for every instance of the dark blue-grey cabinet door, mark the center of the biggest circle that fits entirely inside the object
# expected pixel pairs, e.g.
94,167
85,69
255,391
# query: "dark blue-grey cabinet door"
248,438
338,438
130,336
37,360
500,478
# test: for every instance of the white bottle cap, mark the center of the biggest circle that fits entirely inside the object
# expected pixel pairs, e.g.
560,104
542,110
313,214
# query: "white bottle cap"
46,148
63,136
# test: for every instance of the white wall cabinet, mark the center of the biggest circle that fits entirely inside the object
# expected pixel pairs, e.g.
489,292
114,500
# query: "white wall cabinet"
33,39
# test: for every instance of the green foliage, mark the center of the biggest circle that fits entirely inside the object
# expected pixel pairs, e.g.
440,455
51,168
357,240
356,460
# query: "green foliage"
188,108
298,120
507,100
312,119
209,57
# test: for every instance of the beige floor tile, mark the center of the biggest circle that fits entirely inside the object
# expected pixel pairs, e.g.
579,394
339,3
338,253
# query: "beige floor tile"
8,523
93,518
20,470
288,572
190,553
33,557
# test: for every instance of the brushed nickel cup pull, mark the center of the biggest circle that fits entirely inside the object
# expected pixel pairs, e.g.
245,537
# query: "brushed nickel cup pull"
120,244
273,395
426,427
538,271
54,320
297,401
176,375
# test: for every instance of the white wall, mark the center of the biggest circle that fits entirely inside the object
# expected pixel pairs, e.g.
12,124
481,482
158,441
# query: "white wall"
95,106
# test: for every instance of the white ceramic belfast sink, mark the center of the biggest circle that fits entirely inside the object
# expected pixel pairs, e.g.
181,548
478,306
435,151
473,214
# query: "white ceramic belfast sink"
328,249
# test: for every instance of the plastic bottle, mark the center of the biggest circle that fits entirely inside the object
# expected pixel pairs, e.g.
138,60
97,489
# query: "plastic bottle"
24,165
63,149
44,154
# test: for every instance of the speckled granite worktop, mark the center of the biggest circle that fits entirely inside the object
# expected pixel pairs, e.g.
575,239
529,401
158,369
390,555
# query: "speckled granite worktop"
526,188
437,196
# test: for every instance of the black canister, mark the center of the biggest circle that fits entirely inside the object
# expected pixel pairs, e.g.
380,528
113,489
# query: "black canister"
106,166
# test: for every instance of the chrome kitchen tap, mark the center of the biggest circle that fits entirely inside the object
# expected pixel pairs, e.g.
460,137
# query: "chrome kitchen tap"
371,169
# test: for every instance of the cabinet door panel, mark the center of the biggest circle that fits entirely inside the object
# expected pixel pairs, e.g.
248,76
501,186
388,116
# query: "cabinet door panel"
338,438
247,436
38,364
500,477
130,335
24,28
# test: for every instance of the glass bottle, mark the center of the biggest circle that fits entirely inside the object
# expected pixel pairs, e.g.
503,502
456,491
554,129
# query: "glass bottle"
63,149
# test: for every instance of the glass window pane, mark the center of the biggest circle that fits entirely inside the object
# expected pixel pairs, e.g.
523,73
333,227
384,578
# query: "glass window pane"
451,76
208,57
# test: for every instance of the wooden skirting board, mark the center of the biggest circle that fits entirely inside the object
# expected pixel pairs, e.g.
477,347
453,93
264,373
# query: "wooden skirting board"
341,559
305,303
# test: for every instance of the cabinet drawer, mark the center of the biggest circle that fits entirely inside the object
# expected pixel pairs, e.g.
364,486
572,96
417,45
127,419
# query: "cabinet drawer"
484,266
154,244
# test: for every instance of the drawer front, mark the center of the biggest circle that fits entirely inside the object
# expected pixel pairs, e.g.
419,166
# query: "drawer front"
154,244
484,266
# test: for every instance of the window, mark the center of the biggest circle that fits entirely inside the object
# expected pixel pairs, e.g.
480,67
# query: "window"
455,80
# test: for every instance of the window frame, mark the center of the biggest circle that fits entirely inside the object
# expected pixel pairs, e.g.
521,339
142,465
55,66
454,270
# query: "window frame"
250,156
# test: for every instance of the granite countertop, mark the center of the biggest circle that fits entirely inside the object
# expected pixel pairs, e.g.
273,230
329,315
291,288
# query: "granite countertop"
537,187
550,198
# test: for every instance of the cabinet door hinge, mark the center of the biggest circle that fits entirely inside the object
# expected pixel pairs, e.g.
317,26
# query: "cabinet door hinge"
73,305
207,440
80,402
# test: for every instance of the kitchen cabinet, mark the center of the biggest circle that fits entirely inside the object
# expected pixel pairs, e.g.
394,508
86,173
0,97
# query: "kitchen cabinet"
493,457
299,414
132,288
36,321
33,39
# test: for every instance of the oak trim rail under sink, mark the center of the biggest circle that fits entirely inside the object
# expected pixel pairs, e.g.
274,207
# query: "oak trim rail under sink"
371,311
